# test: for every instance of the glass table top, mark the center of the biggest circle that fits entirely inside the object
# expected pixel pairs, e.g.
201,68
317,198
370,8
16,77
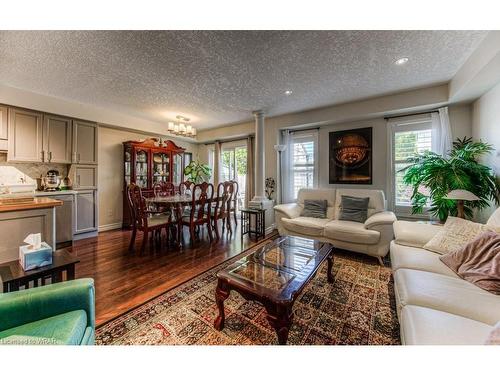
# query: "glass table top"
280,263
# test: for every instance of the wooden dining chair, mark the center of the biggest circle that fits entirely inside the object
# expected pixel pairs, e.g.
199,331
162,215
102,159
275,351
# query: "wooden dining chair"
164,189
147,221
222,208
186,185
198,213
235,197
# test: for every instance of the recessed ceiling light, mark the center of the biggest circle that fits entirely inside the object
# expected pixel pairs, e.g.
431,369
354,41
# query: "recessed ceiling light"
401,61
288,92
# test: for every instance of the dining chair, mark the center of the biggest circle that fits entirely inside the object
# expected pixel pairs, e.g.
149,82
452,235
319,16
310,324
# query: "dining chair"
235,197
186,185
198,213
144,220
163,189
222,208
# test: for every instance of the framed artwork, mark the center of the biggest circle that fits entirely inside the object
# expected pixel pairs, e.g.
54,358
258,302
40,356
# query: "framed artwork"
350,157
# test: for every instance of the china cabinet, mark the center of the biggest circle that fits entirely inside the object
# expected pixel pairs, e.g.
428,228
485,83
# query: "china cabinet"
148,162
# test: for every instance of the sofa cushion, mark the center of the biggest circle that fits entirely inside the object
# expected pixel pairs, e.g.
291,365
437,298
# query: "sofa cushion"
67,328
417,259
424,326
351,231
494,220
455,233
449,294
375,204
315,208
326,194
310,226
353,209
411,233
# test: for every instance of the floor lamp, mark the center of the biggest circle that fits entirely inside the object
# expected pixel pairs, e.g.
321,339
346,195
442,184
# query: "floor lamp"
280,149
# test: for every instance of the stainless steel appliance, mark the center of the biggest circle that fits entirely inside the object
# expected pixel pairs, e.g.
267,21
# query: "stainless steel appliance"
64,220
52,181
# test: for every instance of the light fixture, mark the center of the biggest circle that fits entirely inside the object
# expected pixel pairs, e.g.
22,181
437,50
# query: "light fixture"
181,128
288,92
401,61
460,196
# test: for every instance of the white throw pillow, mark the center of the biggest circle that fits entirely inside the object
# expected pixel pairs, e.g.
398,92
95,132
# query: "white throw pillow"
494,336
455,233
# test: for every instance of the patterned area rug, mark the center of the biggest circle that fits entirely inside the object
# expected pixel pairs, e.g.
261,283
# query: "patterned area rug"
357,309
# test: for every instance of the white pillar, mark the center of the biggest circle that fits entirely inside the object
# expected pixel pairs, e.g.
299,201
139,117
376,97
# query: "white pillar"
260,159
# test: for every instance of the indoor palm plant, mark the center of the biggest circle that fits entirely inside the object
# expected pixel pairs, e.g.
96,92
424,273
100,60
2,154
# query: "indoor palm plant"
460,169
197,172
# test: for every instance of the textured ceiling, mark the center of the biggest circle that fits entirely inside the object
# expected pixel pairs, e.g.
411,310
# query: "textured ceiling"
219,77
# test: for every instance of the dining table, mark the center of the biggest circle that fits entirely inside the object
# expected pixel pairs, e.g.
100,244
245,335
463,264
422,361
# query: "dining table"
174,203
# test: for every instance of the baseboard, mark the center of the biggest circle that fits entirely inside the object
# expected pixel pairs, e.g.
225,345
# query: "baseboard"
82,236
112,226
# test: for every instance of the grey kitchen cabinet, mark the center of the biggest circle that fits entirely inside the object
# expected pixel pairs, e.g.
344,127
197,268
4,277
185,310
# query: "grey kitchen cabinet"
25,136
57,139
85,211
85,177
4,128
84,142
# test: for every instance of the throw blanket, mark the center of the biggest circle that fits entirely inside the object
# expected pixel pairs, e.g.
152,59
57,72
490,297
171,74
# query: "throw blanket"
478,261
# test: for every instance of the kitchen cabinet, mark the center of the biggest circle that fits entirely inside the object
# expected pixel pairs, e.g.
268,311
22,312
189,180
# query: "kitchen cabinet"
84,142
25,136
85,177
4,128
86,211
57,139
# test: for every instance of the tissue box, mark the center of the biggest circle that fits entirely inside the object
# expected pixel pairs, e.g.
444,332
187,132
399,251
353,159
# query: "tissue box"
31,259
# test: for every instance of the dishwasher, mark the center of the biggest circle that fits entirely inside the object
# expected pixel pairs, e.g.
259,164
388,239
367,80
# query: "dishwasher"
64,220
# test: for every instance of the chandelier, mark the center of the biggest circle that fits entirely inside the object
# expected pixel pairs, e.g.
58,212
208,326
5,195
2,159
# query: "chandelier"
181,128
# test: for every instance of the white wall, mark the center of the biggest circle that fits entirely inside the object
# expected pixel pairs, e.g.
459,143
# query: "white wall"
110,173
486,126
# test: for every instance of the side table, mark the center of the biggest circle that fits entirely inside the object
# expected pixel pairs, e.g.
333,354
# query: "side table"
259,217
13,276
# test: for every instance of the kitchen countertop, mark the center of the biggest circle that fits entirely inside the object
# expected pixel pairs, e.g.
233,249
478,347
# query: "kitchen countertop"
49,193
38,203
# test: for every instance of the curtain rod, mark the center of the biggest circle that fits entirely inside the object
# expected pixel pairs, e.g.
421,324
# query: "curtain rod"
231,140
411,114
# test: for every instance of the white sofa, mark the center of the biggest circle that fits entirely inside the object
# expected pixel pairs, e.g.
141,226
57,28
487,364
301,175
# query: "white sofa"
371,237
434,305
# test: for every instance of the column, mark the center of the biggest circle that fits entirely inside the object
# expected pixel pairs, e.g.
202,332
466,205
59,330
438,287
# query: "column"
260,159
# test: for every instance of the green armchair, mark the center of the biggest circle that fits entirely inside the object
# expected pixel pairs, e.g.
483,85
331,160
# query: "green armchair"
60,314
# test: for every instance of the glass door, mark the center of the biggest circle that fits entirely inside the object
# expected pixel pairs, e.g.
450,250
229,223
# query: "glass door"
234,167
161,166
141,168
128,166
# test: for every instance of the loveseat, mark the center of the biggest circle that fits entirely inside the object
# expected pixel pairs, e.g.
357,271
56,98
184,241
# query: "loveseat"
434,305
371,237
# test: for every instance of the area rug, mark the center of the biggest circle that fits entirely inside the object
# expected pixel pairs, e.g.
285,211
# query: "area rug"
357,309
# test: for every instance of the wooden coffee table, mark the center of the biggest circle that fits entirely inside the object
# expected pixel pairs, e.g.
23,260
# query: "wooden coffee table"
274,275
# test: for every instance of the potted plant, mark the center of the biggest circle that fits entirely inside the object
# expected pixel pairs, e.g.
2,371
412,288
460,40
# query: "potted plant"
197,172
460,169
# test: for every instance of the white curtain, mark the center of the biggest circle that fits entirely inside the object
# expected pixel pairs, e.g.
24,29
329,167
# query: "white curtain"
441,132
286,175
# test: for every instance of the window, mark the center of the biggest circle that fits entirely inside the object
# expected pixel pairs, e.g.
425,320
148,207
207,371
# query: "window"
303,161
408,138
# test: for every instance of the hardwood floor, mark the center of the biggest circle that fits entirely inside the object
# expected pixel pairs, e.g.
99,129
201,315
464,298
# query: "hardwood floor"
124,280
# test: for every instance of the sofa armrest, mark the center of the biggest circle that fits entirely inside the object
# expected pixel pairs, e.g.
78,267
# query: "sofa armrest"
414,234
380,218
289,210
25,306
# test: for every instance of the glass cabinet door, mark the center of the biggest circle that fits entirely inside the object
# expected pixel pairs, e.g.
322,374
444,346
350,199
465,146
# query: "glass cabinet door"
128,165
161,166
141,168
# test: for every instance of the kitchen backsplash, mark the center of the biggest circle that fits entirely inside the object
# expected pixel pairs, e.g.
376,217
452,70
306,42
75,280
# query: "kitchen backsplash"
14,173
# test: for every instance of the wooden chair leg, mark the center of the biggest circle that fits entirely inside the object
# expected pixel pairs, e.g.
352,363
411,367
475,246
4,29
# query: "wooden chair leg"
229,226
223,225
144,240
131,246
216,229
235,219
191,233
210,235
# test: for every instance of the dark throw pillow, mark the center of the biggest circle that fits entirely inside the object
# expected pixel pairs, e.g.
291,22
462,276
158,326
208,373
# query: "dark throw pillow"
354,209
314,208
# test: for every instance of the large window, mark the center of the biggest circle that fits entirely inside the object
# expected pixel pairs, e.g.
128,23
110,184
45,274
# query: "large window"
303,161
408,139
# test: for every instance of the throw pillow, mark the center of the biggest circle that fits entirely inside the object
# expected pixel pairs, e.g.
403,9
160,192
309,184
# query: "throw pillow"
354,208
455,233
478,262
494,336
314,208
